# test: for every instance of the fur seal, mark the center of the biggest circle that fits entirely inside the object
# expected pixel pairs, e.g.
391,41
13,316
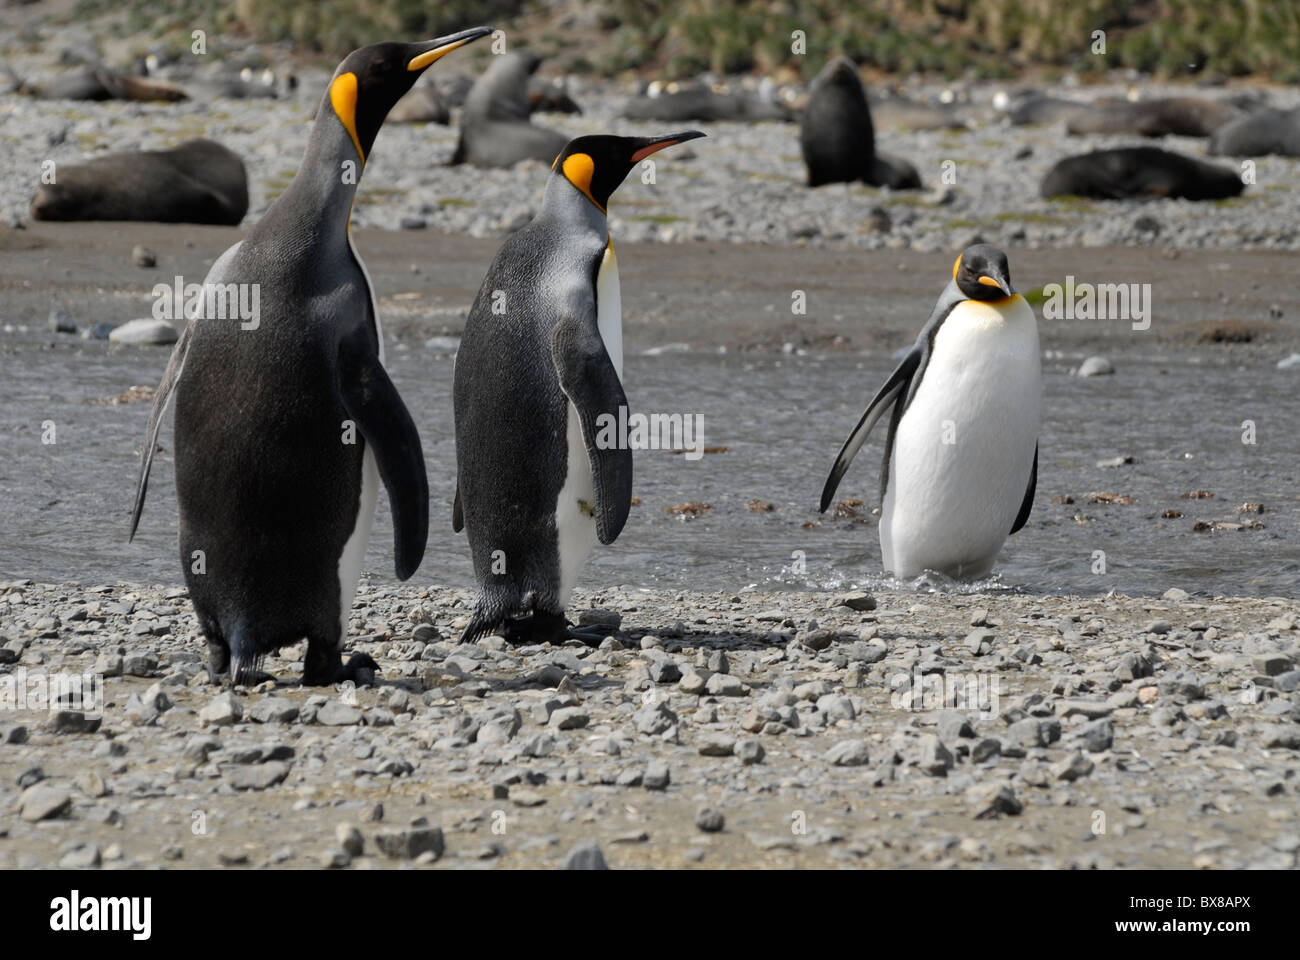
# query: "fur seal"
1126,172
199,181
549,95
422,105
1165,116
1040,110
703,104
900,113
99,83
494,127
837,138
1261,133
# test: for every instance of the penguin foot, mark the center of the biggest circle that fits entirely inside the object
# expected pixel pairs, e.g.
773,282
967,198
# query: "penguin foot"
360,670
251,677
591,636
537,627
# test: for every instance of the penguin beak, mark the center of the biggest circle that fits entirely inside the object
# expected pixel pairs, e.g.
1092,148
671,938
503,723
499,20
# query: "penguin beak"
1001,282
655,144
433,50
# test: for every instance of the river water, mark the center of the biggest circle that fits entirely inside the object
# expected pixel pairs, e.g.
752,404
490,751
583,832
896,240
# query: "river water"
781,419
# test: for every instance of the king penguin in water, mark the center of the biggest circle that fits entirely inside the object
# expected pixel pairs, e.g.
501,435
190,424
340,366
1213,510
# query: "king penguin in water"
961,454
538,379
285,424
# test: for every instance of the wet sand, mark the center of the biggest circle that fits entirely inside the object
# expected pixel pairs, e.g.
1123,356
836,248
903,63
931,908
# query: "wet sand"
704,295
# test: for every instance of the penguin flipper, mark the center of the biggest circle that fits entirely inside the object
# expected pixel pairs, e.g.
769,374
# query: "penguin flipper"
373,402
1028,503
589,380
161,399
895,386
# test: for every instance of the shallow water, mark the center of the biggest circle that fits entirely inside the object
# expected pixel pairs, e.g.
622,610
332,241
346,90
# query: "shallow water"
66,505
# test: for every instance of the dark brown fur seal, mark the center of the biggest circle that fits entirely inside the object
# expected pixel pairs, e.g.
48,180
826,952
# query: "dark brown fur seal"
1129,172
198,182
837,138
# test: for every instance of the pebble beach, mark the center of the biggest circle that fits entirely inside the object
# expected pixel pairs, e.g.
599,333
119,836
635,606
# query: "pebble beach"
734,715
744,184
710,730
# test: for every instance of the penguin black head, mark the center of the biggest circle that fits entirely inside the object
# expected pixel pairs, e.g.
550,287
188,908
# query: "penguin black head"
371,80
596,165
982,273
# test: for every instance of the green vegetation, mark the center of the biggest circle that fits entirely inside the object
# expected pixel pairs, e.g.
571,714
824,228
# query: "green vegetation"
679,38
990,38
1034,297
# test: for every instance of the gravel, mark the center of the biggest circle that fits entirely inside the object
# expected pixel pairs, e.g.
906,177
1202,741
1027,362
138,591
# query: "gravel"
744,184
1185,739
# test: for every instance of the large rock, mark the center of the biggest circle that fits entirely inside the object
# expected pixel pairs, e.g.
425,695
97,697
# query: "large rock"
147,332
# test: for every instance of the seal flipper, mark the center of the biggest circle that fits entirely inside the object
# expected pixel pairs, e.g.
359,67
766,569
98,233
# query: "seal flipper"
1028,503
373,402
894,388
588,378
160,401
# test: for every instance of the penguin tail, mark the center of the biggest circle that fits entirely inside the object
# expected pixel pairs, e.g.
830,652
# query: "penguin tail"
246,655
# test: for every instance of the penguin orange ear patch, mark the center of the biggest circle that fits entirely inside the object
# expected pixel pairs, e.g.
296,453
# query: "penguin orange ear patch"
956,266
343,98
578,169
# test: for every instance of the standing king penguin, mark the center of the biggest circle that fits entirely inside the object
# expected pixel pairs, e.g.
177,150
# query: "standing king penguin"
541,360
284,426
961,455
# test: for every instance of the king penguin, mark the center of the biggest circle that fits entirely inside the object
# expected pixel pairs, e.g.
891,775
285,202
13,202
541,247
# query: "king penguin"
285,425
538,375
961,454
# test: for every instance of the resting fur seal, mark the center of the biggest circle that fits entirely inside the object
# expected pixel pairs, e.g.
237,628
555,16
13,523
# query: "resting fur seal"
421,105
1259,134
703,104
99,83
199,181
1128,172
550,96
1166,116
494,127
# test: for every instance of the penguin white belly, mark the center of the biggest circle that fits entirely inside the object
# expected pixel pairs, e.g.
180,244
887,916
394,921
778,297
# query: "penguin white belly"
354,551
575,507
965,446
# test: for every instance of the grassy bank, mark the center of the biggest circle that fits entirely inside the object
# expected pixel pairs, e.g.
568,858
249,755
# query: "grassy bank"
679,38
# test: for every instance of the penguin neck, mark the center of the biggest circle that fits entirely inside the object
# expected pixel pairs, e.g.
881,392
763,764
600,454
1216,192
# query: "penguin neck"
326,183
564,204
